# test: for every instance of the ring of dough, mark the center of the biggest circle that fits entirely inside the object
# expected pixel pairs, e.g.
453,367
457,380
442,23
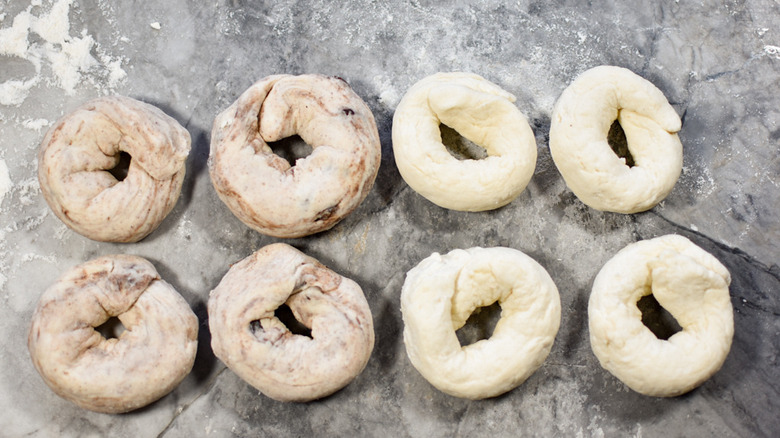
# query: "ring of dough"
691,285
259,348
482,113
79,150
148,359
261,188
580,123
441,292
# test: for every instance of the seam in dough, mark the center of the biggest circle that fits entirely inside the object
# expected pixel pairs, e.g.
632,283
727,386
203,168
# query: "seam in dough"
147,361
78,151
283,365
479,111
580,122
441,292
690,284
261,188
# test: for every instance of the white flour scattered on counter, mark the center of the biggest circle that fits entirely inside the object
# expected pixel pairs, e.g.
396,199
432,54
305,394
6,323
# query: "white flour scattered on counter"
388,94
5,181
36,124
5,186
28,190
59,58
773,51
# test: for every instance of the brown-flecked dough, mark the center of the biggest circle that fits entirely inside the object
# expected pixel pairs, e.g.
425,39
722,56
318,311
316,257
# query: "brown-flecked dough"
248,337
261,188
79,150
148,359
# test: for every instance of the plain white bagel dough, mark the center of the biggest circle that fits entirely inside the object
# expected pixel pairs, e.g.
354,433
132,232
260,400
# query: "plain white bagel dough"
441,292
261,188
154,353
81,147
481,112
691,285
580,123
259,348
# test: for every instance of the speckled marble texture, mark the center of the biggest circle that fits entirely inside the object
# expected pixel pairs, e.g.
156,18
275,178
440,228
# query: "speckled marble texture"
718,62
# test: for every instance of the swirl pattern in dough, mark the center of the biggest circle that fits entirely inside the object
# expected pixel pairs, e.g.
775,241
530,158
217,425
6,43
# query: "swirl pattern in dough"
148,359
79,150
261,188
252,341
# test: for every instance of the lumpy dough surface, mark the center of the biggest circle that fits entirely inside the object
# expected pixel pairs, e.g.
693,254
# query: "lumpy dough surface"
261,188
582,118
481,112
79,150
148,359
441,292
691,285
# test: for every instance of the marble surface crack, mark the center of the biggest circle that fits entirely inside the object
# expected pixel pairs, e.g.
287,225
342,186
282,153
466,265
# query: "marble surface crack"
726,73
389,201
747,303
184,407
461,419
192,113
773,271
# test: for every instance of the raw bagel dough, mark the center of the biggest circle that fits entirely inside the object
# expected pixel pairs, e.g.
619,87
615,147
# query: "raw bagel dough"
441,292
482,113
81,147
260,349
580,123
261,188
691,285
154,353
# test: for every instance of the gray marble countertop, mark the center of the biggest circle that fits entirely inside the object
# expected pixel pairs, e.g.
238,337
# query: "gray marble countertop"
718,63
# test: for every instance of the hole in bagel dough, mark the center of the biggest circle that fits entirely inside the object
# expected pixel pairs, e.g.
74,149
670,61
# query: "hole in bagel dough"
480,324
286,316
616,138
122,166
291,148
656,318
111,329
460,147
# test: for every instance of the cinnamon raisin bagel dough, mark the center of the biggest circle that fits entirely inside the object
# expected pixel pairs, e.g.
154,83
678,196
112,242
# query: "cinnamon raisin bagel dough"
481,112
261,188
81,147
580,123
259,348
691,285
440,294
154,353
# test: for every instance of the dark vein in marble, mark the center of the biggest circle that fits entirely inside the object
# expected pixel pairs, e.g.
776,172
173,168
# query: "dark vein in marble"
754,306
714,76
752,261
461,418
726,73
183,408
